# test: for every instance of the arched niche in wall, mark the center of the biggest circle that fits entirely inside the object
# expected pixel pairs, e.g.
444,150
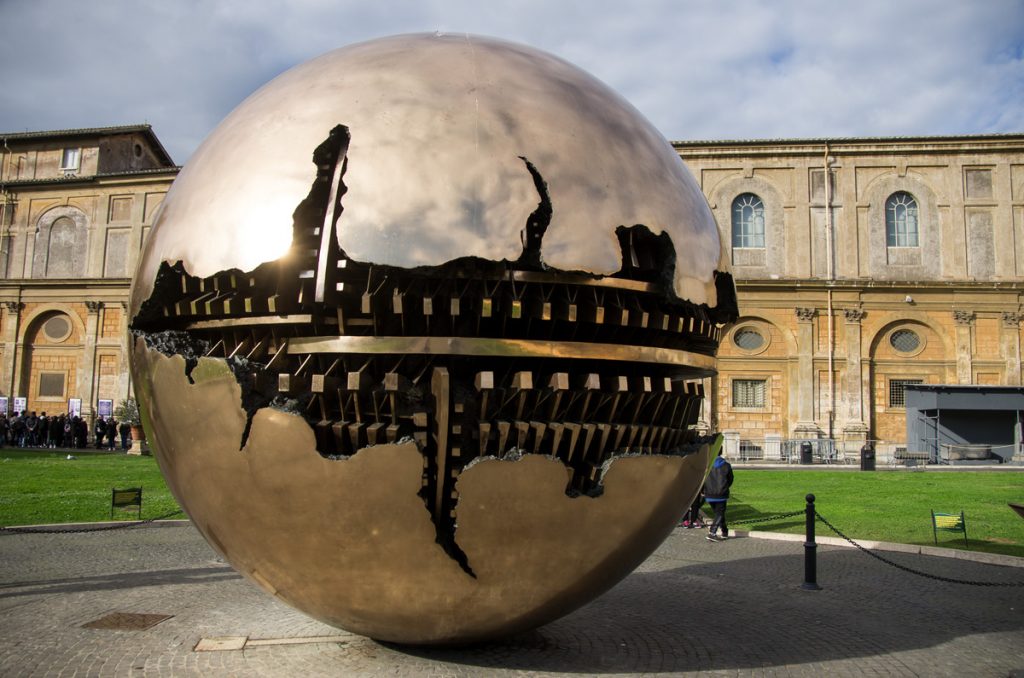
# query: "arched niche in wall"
50,360
923,262
752,262
61,244
894,341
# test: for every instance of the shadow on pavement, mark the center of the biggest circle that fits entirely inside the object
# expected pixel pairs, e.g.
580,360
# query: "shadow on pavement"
752,613
115,582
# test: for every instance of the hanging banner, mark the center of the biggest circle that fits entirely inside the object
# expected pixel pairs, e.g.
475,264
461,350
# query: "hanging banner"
75,407
105,408
20,403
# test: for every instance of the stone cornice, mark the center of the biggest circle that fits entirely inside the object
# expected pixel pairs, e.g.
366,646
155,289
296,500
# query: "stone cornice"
867,284
163,174
838,147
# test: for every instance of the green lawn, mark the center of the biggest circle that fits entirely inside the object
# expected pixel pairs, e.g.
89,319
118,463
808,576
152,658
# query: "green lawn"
39,486
888,506
44,486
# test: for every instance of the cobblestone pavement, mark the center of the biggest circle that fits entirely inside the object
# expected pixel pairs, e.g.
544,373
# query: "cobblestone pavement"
732,608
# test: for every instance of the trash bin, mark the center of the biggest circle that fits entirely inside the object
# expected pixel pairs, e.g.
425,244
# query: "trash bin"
867,457
806,453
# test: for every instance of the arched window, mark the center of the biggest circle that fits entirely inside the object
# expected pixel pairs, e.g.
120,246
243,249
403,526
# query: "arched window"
747,221
901,220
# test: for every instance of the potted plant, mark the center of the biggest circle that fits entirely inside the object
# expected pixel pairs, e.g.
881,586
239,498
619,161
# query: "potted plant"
128,411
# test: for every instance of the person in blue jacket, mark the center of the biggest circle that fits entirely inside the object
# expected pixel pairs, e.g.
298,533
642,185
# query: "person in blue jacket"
716,493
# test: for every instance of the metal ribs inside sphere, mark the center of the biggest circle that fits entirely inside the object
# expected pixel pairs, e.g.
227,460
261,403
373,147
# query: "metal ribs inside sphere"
430,446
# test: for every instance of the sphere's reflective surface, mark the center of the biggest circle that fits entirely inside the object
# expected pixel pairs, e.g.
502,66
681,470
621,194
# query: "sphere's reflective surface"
439,126
418,336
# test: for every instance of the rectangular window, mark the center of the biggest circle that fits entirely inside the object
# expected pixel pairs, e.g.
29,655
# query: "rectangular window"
897,391
51,385
749,392
71,158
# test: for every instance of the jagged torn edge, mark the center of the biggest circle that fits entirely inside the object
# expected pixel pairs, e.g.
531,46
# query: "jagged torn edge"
192,348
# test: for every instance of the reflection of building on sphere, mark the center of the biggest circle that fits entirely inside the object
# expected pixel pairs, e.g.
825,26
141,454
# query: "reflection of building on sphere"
466,358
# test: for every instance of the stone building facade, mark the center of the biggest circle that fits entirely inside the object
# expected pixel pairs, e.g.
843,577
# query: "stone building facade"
903,264
75,207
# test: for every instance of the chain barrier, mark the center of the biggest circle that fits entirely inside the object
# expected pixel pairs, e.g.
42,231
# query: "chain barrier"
911,570
766,519
81,530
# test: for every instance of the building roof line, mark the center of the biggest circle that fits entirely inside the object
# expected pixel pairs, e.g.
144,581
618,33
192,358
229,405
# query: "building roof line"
77,131
144,128
1002,136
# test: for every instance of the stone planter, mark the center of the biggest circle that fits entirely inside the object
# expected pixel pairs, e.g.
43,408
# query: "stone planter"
138,441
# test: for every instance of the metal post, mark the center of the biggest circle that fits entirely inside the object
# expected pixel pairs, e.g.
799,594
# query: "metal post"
810,550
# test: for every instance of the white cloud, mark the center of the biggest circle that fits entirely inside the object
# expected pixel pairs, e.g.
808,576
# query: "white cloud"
697,69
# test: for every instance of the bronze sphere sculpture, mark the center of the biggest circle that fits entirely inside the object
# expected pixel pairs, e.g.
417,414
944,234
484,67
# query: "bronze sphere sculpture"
418,337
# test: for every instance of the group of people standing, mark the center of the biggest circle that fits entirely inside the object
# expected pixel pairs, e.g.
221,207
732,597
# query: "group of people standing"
25,429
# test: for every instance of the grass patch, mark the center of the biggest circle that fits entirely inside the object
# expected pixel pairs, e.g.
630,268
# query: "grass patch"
888,506
44,486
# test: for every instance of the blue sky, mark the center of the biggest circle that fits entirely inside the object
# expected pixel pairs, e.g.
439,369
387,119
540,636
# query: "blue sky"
697,69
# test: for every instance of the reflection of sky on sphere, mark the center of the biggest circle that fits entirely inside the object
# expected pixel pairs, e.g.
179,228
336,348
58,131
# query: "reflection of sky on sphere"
438,124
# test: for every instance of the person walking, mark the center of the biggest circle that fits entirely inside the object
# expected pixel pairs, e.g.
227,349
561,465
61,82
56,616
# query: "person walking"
692,518
716,493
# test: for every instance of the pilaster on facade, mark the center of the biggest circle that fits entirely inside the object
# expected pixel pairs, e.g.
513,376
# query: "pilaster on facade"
856,385
964,318
805,427
853,315
1009,345
123,373
12,347
805,315
87,375
964,364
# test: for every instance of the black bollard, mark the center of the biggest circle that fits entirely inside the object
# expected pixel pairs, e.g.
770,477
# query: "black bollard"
810,550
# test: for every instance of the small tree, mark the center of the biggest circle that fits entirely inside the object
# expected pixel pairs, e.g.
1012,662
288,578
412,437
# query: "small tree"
128,411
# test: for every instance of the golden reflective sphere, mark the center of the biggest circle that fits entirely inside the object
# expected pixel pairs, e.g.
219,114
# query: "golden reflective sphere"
419,334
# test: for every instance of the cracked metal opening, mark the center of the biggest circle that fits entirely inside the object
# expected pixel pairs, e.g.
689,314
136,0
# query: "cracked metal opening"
471,359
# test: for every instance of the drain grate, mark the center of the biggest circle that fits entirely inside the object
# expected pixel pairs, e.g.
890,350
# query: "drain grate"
127,621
